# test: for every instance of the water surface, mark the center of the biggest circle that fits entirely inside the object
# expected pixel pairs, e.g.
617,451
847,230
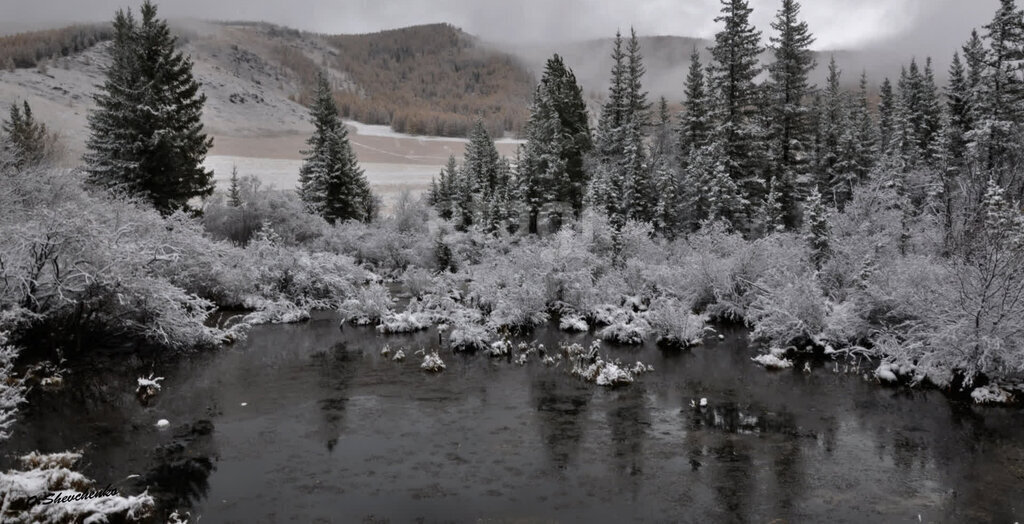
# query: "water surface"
333,432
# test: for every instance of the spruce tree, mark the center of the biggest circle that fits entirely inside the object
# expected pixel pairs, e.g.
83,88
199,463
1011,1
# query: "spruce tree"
558,136
26,135
695,120
861,136
816,231
733,72
959,108
790,120
930,126
886,109
1003,101
481,159
331,183
234,192
441,194
833,160
146,133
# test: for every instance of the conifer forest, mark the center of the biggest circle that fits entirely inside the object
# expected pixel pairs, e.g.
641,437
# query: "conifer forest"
788,291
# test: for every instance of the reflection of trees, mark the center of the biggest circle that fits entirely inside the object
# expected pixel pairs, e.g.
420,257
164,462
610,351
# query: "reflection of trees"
181,476
336,367
628,422
561,410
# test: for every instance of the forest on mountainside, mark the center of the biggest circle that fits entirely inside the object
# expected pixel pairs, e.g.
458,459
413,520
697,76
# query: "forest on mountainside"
30,48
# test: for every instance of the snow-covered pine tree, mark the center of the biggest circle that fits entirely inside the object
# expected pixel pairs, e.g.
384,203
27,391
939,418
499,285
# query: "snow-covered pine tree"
959,108
26,135
833,164
146,133
733,73
663,175
864,146
772,213
709,193
331,183
441,193
234,192
1002,111
790,120
931,109
886,109
695,119
558,136
481,159
816,231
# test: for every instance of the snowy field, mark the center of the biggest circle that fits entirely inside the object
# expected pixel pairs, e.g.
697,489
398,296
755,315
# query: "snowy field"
387,180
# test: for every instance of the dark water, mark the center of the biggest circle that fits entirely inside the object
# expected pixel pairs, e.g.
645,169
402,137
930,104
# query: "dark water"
333,432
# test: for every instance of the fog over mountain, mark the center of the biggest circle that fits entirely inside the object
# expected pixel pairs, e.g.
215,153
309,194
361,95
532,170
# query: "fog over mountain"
919,27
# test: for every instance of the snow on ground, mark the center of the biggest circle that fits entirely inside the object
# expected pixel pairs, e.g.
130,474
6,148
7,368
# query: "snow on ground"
388,180
386,131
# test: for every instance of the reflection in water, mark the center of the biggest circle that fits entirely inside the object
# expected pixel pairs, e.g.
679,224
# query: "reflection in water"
336,368
561,413
489,440
628,422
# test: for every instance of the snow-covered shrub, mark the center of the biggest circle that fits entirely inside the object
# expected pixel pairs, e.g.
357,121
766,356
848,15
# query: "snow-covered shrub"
991,394
608,314
404,322
469,336
793,309
274,312
432,362
632,332
573,322
81,500
418,281
673,323
12,390
773,360
500,348
370,304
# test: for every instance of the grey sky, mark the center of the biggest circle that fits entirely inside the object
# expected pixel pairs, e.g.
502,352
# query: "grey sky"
918,26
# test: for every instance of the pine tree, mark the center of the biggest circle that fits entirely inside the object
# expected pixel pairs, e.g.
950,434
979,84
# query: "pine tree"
1003,109
234,192
331,183
621,186
790,118
833,161
930,128
710,193
558,136
481,159
146,134
733,72
441,193
9,65
27,136
695,120
886,110
959,107
863,142
816,231
772,211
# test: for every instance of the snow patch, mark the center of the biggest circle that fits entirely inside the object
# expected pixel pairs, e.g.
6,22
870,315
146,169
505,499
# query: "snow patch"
991,394
433,363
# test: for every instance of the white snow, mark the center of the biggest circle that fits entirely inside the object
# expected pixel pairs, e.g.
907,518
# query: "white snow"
770,361
150,382
399,356
163,423
573,322
432,362
404,322
991,394
703,402
886,373
612,375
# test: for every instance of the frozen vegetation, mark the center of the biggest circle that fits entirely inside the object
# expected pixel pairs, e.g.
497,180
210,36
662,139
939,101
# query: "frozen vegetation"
85,501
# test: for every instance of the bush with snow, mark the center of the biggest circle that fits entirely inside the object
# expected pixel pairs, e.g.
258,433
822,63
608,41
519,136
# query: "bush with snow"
54,472
991,394
370,304
467,335
632,332
573,322
772,361
12,389
275,312
433,363
673,323
404,322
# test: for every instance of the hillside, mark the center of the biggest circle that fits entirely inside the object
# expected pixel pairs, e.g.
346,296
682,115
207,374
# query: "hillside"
431,79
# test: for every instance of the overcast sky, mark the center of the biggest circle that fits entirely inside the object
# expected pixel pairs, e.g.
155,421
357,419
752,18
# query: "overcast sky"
932,26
